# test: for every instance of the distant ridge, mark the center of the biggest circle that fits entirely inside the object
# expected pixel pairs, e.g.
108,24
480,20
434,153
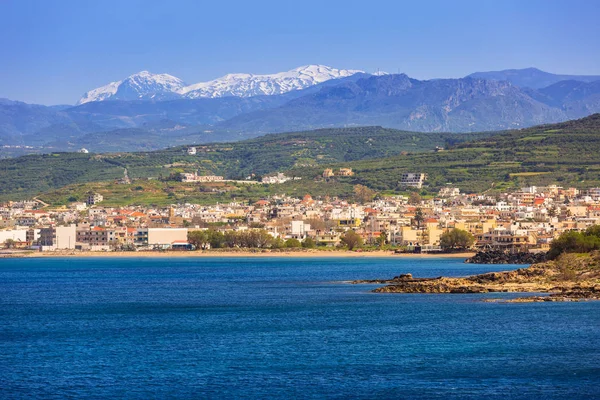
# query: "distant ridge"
397,101
531,77
159,116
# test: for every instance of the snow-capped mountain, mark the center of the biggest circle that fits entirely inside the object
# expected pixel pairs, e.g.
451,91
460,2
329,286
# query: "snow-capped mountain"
101,93
141,86
147,86
247,85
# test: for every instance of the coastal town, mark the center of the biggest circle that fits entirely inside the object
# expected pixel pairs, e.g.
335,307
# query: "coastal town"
524,220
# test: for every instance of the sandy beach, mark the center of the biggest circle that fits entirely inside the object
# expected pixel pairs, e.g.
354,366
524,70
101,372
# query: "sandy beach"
223,254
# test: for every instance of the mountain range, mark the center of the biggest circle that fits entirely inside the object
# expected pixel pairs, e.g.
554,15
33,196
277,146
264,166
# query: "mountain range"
531,77
148,86
147,111
443,105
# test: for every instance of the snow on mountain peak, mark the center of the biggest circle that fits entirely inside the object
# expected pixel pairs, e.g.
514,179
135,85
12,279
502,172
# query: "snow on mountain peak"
141,86
322,73
248,85
169,81
145,85
101,93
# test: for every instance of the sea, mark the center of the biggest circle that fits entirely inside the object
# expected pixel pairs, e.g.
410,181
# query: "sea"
280,328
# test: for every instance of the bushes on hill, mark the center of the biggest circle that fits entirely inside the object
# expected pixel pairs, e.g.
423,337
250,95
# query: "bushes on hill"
576,242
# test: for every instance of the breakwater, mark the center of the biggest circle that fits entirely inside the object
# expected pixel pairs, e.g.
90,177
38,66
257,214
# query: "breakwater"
501,257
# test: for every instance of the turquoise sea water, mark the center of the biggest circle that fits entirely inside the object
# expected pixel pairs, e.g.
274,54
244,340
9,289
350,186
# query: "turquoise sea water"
280,328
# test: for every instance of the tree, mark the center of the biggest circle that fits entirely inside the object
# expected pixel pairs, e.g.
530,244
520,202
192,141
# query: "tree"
230,239
363,194
292,243
419,217
216,239
198,239
309,243
414,198
9,244
319,224
352,240
381,239
593,230
456,239
115,245
259,239
575,242
277,243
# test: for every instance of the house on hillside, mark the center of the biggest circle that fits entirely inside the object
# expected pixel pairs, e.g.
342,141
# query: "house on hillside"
279,178
412,179
328,173
345,172
94,198
449,192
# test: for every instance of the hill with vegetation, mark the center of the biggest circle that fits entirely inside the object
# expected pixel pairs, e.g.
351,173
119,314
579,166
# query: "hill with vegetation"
565,153
30,175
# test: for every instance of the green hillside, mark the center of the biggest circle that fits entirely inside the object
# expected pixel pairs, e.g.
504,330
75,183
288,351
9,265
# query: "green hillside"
27,176
565,153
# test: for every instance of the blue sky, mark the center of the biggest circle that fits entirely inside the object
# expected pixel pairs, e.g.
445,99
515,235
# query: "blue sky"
54,51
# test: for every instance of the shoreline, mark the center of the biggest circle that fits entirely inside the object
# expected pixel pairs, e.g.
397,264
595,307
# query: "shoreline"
231,254
568,278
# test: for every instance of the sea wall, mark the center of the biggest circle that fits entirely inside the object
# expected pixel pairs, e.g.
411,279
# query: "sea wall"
501,257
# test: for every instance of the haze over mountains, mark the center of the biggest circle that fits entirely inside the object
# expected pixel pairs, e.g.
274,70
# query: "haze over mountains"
147,111
531,77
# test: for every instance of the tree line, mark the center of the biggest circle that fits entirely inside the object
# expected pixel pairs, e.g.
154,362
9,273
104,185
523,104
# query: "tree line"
249,239
261,239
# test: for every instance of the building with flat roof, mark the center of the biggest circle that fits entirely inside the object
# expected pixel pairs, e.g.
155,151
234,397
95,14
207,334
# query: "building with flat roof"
411,179
345,172
94,198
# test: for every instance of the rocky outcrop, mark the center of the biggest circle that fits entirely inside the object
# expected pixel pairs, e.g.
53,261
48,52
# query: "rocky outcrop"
501,257
569,278
577,293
